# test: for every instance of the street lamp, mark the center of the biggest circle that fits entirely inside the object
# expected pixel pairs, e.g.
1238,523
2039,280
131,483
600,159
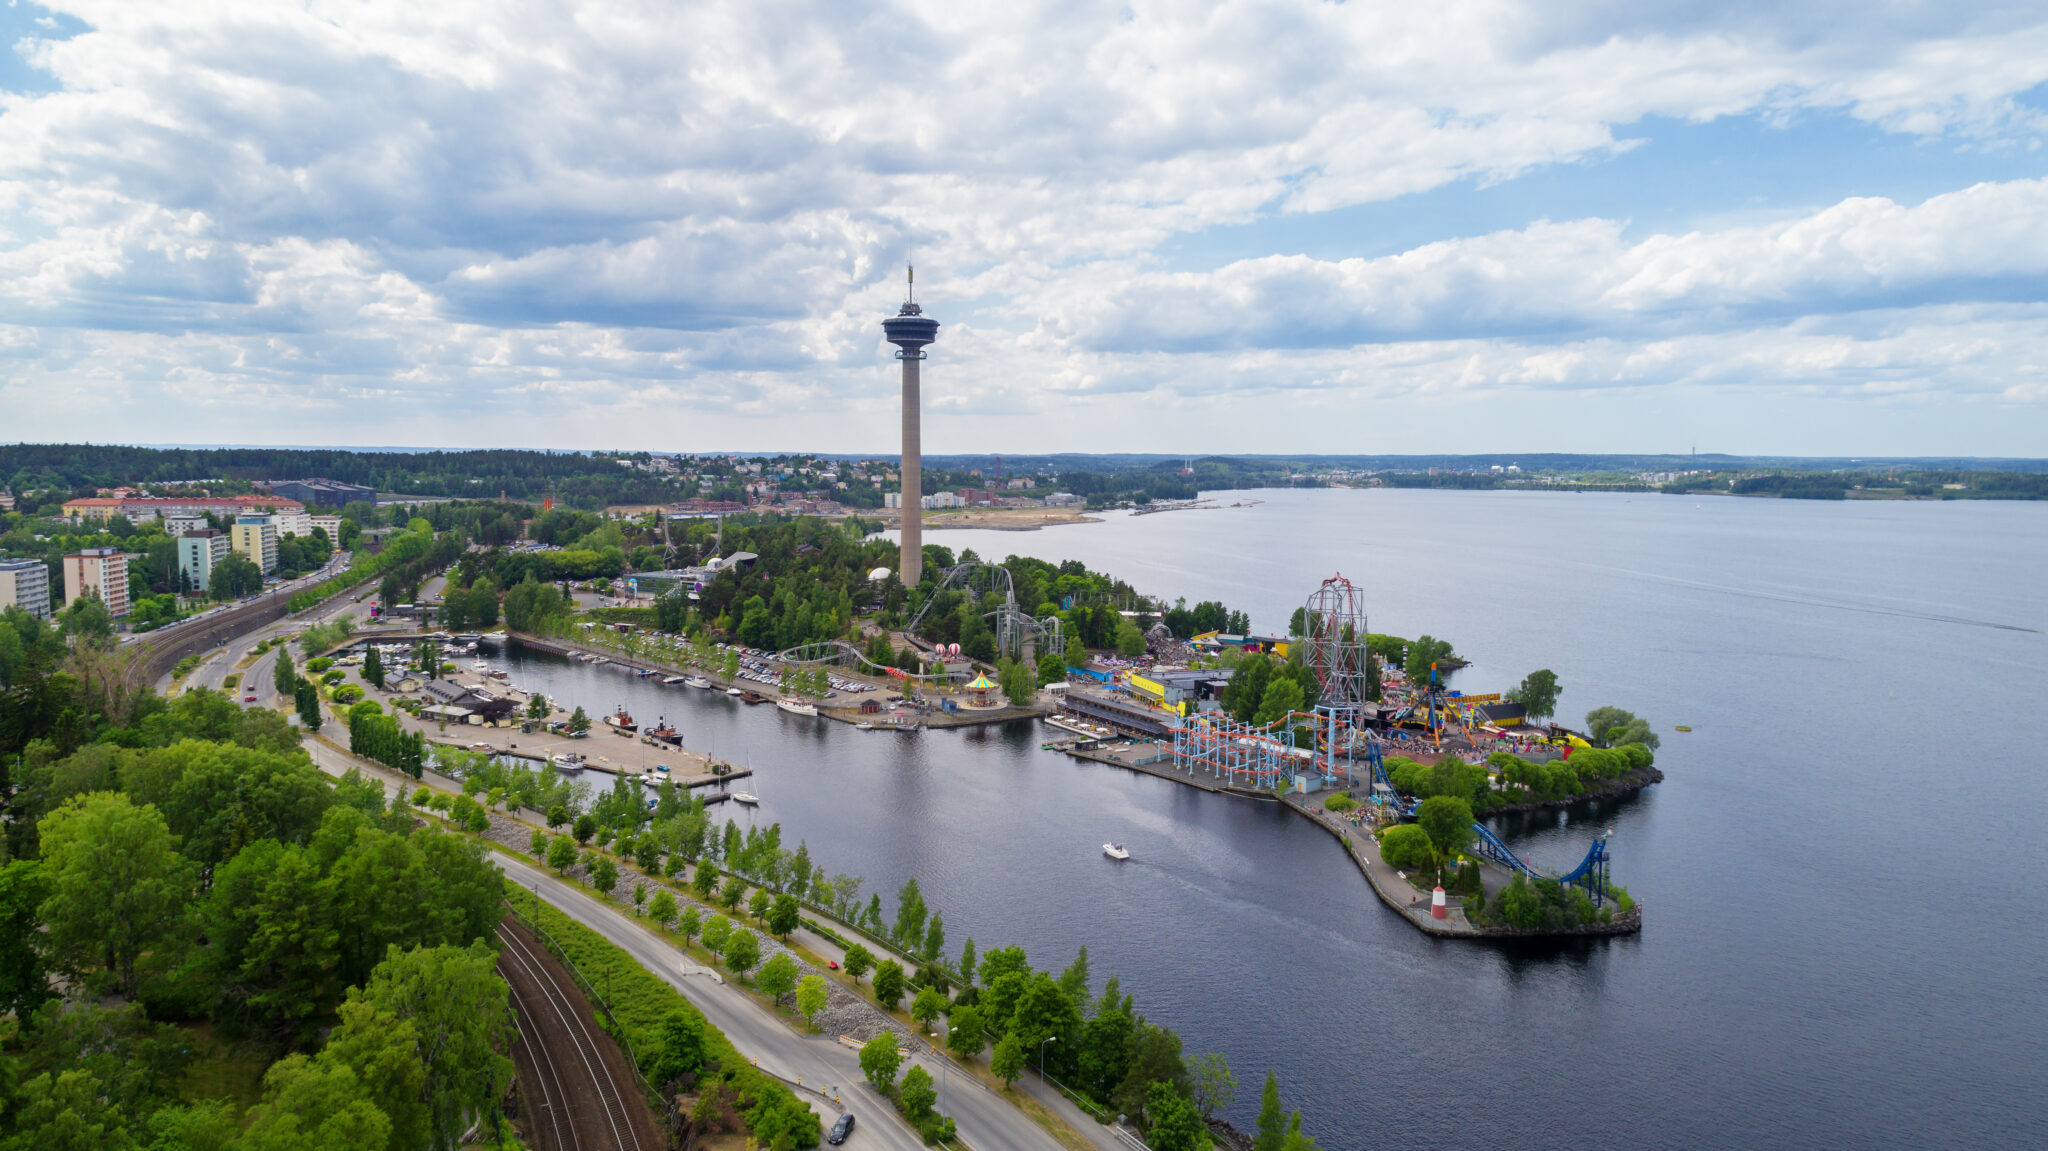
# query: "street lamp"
1041,1054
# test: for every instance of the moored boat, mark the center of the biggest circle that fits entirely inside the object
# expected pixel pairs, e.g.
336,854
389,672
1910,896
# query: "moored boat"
621,721
796,707
745,798
752,697
567,762
666,734
698,681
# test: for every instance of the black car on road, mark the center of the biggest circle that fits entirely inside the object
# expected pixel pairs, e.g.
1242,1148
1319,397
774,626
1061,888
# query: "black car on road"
841,1129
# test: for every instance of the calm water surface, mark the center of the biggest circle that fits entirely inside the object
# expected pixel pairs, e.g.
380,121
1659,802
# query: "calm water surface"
1841,874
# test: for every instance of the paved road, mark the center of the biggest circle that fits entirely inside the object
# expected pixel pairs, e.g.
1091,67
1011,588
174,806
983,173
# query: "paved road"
986,1121
214,669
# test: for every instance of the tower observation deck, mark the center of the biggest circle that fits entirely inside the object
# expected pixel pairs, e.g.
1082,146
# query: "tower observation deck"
911,331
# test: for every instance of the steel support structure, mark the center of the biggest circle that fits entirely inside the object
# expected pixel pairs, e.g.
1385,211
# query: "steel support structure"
1235,753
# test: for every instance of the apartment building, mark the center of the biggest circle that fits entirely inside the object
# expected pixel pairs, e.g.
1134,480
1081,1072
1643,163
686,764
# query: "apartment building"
25,584
256,538
98,571
198,551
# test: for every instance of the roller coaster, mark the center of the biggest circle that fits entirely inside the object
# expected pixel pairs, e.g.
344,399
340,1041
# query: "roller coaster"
1018,634
1590,875
839,653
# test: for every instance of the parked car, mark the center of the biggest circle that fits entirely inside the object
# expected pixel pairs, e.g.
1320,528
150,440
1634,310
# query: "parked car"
841,1129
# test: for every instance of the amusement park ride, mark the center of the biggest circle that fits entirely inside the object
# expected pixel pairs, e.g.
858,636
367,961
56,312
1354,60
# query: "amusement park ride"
1345,751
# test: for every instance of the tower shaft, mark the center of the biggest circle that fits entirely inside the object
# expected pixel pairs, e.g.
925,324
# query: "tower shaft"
910,561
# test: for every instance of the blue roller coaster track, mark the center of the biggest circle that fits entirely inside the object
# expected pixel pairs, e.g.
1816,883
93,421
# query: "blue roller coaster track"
1590,874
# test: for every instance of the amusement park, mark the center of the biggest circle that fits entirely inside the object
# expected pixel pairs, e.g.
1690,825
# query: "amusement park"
1349,761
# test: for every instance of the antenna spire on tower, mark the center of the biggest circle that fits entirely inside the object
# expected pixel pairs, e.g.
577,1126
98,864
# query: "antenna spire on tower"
911,274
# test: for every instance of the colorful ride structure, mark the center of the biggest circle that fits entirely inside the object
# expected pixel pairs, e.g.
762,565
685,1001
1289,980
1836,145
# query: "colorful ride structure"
1590,874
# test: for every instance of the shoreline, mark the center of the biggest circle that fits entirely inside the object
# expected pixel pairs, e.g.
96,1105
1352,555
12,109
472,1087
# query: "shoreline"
1382,878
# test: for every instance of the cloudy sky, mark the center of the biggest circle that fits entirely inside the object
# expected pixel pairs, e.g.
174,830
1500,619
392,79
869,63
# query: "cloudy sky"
1271,225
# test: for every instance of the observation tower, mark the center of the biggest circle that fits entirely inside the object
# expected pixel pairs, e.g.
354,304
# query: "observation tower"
910,330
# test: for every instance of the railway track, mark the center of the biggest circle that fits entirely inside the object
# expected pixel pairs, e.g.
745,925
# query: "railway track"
586,1107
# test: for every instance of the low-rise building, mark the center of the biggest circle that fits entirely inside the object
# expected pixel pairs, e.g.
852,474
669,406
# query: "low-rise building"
325,492
177,525
198,552
155,507
332,526
256,538
98,571
25,584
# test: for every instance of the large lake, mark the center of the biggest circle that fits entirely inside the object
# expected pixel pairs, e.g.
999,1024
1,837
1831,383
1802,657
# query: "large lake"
1842,875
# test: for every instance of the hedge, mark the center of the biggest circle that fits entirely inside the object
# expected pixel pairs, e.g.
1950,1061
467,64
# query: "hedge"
640,1000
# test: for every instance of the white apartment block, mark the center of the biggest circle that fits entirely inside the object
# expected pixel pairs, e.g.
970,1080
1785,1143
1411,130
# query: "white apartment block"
25,584
98,571
332,526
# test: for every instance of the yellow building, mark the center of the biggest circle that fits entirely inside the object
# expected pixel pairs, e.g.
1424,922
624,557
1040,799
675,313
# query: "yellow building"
256,538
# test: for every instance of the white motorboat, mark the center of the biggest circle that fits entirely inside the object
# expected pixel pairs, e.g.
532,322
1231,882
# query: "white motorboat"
733,691
1115,851
479,665
567,761
794,707
863,725
698,681
745,798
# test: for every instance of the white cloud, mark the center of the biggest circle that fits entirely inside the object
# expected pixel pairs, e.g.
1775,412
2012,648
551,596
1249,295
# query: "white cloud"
1987,242
550,205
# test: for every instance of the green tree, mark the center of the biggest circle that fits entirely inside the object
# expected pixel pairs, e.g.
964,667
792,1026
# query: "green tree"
313,1104
966,1033
1613,726
66,1111
87,622
705,882
689,923
538,845
208,1126
879,1060
1008,1060
1282,696
578,721
679,1051
1447,820
1051,668
662,909
859,961
24,979
1537,694
461,1011
1130,642
1425,651
1215,1086
1407,847
1247,687
383,1051
373,667
1171,1122
811,996
934,939
716,929
927,1006
585,829
967,962
1272,1121
562,854
116,885
889,983
910,915
604,875
730,895
758,903
784,916
778,976
558,814
742,951
917,1095
283,676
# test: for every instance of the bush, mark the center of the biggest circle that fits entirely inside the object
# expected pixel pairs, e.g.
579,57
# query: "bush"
319,664
1340,803
1407,847
347,694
